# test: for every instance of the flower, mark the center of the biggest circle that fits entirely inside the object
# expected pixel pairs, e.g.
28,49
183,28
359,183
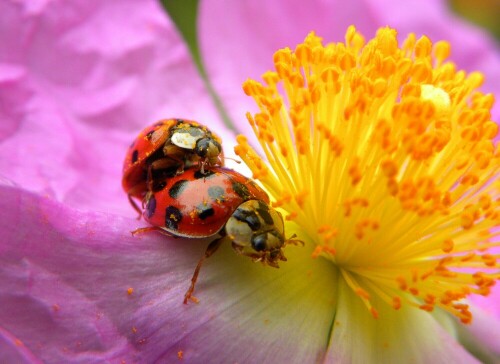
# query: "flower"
384,158
78,80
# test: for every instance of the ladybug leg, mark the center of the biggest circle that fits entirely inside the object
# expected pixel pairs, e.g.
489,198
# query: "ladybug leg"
149,180
134,205
167,162
175,156
150,229
212,248
201,165
180,170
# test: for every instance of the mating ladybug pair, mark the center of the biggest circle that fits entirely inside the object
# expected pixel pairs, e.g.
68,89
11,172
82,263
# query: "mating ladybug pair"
175,168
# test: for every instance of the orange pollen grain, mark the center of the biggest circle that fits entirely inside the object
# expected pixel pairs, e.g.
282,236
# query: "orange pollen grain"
447,245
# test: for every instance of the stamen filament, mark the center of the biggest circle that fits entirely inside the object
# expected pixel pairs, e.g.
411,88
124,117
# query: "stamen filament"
384,157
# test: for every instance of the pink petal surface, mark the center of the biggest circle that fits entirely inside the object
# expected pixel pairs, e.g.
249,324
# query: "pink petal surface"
78,81
240,44
64,298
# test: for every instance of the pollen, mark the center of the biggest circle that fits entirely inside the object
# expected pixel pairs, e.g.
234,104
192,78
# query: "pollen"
383,155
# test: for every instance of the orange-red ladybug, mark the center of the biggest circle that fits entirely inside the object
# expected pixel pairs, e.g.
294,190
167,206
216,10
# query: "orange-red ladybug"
163,150
222,202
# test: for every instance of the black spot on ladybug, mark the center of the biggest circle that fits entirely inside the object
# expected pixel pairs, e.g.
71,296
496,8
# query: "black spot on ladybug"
150,207
158,185
216,193
172,217
208,174
195,132
176,190
150,134
263,211
205,211
160,176
241,190
253,184
248,217
259,242
179,121
135,156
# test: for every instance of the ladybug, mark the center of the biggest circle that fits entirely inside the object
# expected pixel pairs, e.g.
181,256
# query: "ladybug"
223,202
163,150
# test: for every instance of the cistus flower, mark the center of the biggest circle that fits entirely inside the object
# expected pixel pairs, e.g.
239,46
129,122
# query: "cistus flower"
78,80
382,157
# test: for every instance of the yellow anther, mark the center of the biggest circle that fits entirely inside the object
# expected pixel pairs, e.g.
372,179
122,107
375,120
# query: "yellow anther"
385,156
423,47
447,245
396,303
442,51
390,168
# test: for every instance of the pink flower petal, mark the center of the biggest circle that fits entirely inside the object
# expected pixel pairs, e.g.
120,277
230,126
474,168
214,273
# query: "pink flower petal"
78,81
64,281
490,304
483,335
12,350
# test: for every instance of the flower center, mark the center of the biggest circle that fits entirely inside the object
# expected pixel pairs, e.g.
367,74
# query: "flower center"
383,157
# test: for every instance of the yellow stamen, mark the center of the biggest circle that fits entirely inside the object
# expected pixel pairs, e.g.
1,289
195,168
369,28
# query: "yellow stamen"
383,157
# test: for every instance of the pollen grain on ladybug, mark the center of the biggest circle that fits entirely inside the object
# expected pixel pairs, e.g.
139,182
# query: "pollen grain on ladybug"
383,155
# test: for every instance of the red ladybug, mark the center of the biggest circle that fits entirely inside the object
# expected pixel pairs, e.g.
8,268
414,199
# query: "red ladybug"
223,202
163,150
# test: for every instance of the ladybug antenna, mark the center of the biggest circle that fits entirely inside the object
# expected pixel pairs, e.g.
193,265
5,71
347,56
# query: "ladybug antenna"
293,241
233,159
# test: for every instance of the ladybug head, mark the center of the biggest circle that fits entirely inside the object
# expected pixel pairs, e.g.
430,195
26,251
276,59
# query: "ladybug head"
256,230
208,148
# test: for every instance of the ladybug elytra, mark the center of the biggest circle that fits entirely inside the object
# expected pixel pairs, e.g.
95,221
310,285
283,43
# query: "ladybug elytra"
165,149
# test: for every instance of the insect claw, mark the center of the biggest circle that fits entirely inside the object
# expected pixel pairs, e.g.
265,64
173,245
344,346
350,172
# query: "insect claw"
189,297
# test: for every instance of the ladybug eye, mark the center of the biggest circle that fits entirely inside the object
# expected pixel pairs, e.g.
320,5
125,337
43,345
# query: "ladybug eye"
208,147
259,242
202,146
